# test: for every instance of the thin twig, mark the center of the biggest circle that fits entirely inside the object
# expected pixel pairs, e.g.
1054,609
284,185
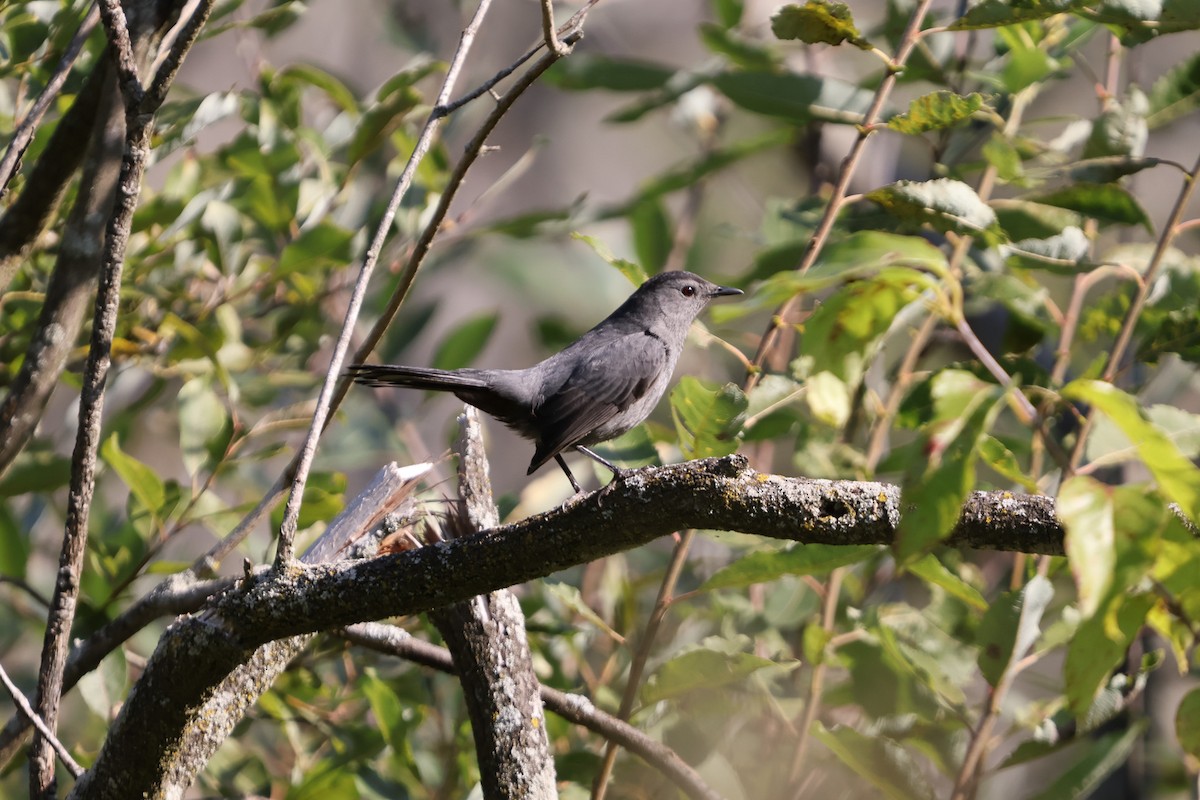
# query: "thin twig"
816,684
139,118
23,135
840,189
645,644
1170,231
904,378
553,44
19,698
325,401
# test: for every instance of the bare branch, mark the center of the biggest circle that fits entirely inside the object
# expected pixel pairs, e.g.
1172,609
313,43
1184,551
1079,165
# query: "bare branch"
139,125
486,636
326,401
23,135
26,709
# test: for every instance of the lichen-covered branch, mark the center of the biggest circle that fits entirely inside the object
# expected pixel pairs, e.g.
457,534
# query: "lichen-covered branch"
196,654
486,636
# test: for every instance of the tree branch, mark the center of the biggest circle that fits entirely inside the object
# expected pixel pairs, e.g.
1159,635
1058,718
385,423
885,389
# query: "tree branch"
486,636
139,119
196,654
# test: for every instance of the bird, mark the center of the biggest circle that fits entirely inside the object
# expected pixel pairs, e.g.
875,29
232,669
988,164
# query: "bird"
596,388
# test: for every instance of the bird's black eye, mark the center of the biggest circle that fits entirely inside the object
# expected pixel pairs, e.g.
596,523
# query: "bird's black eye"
688,290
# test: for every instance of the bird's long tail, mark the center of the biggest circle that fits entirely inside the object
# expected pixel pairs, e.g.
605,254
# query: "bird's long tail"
415,377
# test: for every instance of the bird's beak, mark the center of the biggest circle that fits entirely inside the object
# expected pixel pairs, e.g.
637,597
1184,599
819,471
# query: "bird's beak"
724,291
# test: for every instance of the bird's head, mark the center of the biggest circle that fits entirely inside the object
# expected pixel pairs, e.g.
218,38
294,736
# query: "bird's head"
679,295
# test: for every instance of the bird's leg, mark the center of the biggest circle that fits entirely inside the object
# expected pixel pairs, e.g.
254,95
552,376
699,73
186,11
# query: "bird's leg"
619,473
574,483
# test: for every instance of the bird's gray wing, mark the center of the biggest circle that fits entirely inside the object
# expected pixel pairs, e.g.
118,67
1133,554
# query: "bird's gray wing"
603,383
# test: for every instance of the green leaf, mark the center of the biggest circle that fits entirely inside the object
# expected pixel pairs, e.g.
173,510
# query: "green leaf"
828,398
587,71
204,424
818,22
799,99
35,470
1099,646
651,234
842,331
322,245
387,709
800,559
703,670
142,481
885,764
1176,94
1187,724
1104,202
687,174
857,256
707,417
1004,156
739,50
465,342
1109,168
729,12
14,546
380,120
934,489
318,78
944,204
1177,477
1000,13
634,272
1010,627
936,111
1085,507
1101,758
931,570
1063,253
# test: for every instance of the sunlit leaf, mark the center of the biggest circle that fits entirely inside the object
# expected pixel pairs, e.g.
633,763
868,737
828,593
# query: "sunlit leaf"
931,570
707,417
818,22
1176,94
1102,756
1011,626
943,203
1177,477
1085,507
934,489
936,111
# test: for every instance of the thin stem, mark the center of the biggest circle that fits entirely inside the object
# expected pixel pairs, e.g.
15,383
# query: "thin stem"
553,44
641,656
840,189
23,135
904,379
19,698
1170,231
325,400
816,684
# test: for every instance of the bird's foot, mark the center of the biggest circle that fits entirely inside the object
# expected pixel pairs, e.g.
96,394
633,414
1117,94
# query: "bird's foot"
620,475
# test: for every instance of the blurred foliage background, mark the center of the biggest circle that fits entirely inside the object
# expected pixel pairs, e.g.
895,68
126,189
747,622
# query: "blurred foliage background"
1017,191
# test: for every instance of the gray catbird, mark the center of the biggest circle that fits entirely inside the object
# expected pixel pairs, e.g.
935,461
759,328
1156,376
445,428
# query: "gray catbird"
600,386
